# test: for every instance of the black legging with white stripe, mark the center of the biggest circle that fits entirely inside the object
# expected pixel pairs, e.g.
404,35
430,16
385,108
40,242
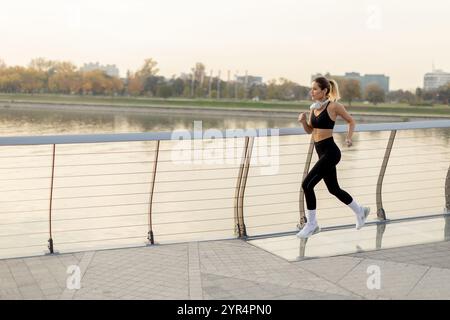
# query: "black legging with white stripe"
325,168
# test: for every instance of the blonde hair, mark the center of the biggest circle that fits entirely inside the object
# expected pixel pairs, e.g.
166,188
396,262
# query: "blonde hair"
334,90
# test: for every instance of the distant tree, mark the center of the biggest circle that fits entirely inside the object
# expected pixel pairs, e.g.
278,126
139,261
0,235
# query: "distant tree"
272,90
10,80
187,91
257,91
64,78
199,72
350,90
199,92
375,94
148,69
443,94
430,95
419,93
2,64
165,91
286,89
97,82
178,87
301,92
147,78
135,85
241,93
215,88
41,64
151,84
45,69
227,90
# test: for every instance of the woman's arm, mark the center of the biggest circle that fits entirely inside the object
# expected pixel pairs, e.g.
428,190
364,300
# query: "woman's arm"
340,111
306,125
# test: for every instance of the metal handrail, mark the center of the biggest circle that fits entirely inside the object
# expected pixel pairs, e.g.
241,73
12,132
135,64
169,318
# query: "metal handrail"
197,135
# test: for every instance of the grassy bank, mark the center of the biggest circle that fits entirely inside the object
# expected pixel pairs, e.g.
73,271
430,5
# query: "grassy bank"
381,109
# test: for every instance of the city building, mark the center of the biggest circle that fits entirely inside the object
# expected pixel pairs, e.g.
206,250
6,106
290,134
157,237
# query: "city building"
110,70
435,79
249,80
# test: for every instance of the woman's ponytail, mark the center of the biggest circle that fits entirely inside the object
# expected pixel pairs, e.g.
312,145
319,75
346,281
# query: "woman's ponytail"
334,91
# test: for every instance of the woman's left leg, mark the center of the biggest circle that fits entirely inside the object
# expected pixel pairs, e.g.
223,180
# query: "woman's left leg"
333,187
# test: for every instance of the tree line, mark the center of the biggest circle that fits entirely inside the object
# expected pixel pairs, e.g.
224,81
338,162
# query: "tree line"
63,77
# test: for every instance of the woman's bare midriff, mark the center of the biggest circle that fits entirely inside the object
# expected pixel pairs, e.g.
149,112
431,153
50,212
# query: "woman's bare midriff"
321,134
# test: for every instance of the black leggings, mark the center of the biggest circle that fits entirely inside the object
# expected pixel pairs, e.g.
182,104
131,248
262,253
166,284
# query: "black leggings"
329,156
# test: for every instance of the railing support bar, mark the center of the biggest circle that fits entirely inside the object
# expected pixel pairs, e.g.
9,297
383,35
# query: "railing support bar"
301,194
381,214
50,240
150,236
248,157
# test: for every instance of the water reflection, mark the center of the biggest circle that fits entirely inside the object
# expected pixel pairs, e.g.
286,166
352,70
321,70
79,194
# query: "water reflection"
36,122
437,229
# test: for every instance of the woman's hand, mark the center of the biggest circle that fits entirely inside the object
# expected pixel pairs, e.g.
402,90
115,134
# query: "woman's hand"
348,142
302,117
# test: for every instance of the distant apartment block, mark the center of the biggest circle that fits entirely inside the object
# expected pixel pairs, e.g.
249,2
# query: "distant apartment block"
110,69
364,80
249,80
435,79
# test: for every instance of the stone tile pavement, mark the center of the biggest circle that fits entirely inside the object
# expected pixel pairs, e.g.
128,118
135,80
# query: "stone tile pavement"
229,269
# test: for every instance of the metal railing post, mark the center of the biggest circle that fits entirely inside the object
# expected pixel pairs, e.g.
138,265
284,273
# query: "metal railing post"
381,228
302,248
50,240
242,228
150,236
237,229
381,214
301,195
447,227
447,191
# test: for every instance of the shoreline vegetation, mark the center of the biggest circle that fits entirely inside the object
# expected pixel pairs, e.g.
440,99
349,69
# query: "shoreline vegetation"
234,107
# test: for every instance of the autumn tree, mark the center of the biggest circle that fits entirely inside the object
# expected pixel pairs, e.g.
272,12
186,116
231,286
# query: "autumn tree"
145,80
44,69
65,78
148,69
374,93
272,90
350,90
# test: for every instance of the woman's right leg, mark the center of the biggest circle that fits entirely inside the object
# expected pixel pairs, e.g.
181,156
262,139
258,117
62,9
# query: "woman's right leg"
316,174
312,178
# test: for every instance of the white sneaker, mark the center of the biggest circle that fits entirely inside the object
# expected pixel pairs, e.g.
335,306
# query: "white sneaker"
361,217
308,230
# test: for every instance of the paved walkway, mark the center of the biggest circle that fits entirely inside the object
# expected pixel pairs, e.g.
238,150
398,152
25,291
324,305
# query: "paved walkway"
230,269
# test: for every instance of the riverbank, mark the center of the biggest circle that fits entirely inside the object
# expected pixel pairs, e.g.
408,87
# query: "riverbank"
202,107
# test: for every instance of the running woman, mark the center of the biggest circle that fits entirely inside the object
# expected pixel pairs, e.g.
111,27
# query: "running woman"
322,118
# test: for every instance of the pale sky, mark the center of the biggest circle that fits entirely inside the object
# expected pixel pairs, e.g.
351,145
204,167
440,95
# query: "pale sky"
269,38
